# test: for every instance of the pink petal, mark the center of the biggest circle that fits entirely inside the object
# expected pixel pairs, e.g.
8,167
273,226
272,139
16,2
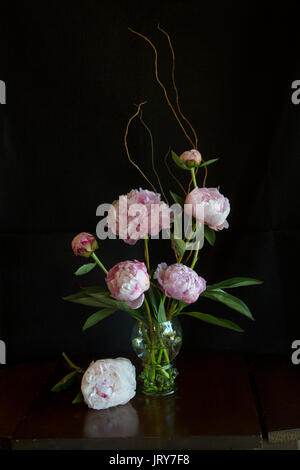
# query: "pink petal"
134,304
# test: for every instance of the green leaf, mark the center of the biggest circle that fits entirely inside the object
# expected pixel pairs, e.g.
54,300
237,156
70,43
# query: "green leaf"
66,382
78,398
137,315
95,289
103,296
177,199
233,302
155,297
161,314
197,229
209,162
210,235
86,268
178,162
83,299
180,307
97,316
214,320
179,245
235,282
105,300
98,296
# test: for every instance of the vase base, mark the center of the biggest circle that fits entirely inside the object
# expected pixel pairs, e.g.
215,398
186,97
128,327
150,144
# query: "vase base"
157,394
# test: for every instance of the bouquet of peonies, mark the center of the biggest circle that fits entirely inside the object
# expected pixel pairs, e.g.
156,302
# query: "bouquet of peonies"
156,296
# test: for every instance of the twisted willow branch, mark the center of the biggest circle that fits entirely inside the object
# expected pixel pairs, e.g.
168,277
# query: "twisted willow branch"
195,143
175,87
172,174
152,155
161,84
126,145
177,99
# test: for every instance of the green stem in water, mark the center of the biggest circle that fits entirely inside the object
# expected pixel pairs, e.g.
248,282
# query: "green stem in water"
97,260
194,178
165,352
163,371
145,334
147,254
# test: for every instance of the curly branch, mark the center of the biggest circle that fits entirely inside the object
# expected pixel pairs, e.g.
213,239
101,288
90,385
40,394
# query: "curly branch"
172,174
177,96
161,84
126,145
175,87
152,155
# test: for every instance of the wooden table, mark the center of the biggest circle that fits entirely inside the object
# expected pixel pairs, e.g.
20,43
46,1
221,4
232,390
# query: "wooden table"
277,391
223,402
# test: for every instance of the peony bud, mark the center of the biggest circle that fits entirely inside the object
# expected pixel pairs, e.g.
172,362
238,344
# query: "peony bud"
127,281
180,282
191,158
84,244
108,382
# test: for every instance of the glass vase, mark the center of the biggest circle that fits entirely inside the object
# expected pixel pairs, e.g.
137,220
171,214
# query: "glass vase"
157,346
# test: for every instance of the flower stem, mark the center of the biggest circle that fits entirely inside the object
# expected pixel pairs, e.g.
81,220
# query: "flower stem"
97,260
162,351
194,178
70,363
195,258
147,254
145,335
172,308
187,240
149,313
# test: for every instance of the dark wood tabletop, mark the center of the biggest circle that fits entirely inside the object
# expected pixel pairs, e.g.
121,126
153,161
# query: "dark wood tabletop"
224,402
278,390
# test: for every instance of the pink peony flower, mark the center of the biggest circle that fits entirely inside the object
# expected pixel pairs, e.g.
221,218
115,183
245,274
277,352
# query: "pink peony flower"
208,206
84,244
108,382
180,282
138,214
127,281
191,158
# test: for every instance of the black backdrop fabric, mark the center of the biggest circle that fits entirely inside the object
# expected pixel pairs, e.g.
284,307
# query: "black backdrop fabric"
73,73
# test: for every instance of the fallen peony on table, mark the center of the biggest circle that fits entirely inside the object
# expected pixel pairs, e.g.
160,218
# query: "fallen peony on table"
108,382
210,410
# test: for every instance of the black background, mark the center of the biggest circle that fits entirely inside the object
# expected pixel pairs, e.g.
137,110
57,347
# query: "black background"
73,72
